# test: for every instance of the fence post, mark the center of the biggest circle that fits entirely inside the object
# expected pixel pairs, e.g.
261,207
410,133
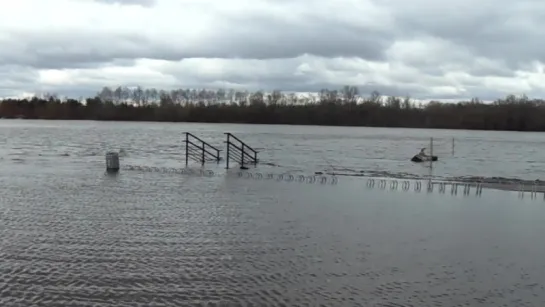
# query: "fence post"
453,146
431,156
242,156
186,149
227,154
202,155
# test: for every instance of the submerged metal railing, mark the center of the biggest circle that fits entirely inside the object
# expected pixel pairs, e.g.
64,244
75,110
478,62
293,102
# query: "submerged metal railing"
239,151
427,186
199,150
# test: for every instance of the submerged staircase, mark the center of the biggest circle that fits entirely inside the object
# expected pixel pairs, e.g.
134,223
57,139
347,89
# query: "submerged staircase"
238,151
199,150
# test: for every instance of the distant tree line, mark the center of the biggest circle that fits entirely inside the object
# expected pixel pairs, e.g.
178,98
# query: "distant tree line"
344,107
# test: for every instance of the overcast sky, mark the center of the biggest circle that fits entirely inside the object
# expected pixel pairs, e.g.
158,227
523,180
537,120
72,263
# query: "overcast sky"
422,48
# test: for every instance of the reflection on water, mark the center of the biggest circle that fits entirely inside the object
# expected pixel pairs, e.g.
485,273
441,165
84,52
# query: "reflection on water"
149,239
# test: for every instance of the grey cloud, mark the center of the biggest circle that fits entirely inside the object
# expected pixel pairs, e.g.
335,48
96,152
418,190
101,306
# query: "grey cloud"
271,37
472,68
487,38
510,31
146,3
266,38
17,74
62,49
481,71
283,78
16,79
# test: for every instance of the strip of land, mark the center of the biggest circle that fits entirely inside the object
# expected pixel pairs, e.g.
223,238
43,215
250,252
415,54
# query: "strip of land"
329,108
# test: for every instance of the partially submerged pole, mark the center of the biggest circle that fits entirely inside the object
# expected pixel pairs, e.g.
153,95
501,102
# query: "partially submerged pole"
112,162
453,146
186,149
431,157
227,156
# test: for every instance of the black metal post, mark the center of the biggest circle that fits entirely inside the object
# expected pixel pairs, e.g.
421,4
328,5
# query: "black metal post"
255,157
227,158
242,156
202,157
186,149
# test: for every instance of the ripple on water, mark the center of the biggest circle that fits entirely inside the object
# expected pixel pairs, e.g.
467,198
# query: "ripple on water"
165,239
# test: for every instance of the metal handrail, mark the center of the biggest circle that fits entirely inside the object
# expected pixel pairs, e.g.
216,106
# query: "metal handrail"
199,152
243,151
241,142
200,140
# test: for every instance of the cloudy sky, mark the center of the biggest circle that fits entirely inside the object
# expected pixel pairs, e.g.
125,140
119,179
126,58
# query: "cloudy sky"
422,48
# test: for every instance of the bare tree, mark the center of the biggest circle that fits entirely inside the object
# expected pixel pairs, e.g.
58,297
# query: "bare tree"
154,95
407,103
349,94
375,98
125,94
165,99
393,102
275,97
118,95
231,95
146,98
138,95
220,95
106,94
257,99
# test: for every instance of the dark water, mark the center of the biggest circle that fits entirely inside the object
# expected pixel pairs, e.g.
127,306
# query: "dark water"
72,236
148,239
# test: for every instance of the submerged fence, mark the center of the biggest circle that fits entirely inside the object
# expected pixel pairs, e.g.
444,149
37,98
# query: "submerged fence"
427,186
415,186
386,184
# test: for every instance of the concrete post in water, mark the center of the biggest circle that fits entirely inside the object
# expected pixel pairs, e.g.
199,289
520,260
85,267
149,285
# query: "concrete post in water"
112,162
453,146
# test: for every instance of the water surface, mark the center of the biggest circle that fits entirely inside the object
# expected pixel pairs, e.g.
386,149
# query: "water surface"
352,150
72,236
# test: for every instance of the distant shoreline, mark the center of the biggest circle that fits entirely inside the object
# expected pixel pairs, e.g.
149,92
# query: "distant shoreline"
509,114
243,123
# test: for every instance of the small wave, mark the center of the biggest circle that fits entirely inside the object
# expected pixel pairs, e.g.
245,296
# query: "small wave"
269,164
89,154
54,155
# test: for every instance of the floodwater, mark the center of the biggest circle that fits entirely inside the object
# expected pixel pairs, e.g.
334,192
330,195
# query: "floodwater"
304,149
70,235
